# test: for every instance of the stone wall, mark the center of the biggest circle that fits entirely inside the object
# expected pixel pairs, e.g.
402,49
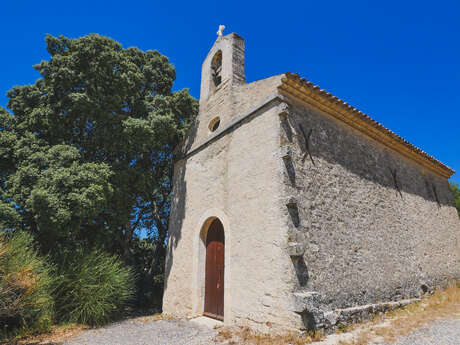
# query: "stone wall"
237,178
372,225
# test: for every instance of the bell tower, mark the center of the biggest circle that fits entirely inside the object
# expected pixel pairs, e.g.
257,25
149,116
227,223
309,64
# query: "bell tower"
224,65
222,75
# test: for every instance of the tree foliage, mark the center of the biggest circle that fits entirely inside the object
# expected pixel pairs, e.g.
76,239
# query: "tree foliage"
86,154
456,192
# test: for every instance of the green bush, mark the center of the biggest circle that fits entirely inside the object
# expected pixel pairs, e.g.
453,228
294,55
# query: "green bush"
94,288
26,283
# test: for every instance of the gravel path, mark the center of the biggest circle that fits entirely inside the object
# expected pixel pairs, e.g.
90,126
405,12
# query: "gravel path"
180,332
147,332
439,333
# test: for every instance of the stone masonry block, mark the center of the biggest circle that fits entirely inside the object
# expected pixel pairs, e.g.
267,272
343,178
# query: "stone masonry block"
296,249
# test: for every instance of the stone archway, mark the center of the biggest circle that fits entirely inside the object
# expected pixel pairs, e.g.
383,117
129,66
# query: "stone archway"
199,259
214,271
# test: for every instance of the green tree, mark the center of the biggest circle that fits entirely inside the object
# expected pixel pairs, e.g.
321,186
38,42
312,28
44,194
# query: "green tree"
9,217
456,192
86,155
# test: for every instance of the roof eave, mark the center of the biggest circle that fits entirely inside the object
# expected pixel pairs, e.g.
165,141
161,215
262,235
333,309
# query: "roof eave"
299,88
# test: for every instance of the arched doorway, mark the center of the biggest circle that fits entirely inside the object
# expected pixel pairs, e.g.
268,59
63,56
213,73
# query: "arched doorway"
214,272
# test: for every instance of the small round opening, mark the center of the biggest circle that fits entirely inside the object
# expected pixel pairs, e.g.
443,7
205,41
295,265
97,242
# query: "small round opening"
214,124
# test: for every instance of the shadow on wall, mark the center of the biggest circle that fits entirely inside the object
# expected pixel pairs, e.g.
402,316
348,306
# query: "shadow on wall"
301,270
177,214
320,137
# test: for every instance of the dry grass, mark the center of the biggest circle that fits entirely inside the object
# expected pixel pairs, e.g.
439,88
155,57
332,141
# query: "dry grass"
441,305
52,337
154,317
246,336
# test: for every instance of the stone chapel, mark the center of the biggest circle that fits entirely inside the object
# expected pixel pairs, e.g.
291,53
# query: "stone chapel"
293,210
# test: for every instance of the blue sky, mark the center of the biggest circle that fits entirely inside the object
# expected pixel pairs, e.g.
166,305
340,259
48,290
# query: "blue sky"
397,61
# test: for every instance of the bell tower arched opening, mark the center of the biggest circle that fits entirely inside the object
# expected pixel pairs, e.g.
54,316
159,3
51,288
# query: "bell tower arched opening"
216,69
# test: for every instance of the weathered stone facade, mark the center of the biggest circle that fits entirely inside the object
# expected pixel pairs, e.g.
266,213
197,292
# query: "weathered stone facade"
363,240
325,220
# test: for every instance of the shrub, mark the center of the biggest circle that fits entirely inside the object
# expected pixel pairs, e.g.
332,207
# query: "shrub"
26,283
94,288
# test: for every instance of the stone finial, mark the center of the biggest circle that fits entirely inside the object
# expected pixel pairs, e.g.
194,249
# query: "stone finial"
219,32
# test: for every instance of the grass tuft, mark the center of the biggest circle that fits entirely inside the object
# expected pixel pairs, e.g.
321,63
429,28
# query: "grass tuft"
26,286
94,288
246,336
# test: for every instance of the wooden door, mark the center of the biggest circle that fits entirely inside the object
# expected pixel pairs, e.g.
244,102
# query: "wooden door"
214,277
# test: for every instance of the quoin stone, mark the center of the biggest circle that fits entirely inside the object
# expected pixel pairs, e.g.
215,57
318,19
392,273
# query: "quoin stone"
327,215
